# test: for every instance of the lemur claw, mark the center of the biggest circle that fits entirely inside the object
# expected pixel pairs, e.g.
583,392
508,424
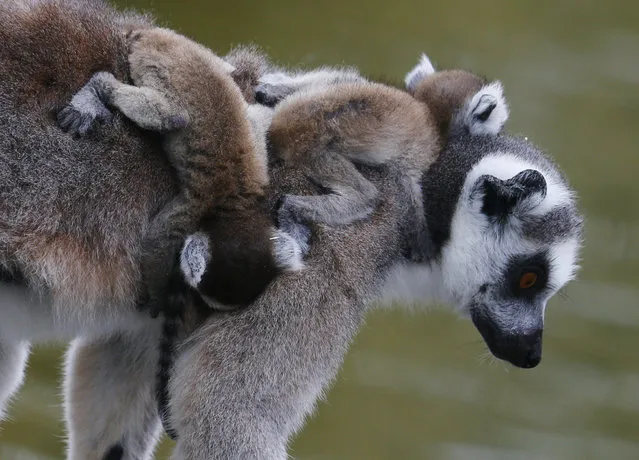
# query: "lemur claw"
288,222
79,116
270,95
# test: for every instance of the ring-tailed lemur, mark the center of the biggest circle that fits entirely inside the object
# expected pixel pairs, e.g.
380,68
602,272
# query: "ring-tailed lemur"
490,201
504,233
379,125
73,215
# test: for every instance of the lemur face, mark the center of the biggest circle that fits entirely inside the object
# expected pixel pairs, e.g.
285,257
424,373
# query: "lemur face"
504,226
514,239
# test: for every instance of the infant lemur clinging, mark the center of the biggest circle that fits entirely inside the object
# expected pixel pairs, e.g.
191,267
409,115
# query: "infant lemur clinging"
379,125
229,248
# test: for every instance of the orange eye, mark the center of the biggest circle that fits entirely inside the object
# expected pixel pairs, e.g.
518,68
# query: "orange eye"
527,280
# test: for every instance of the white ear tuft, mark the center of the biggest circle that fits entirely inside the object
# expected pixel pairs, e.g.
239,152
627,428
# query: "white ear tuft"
288,252
487,111
421,71
194,258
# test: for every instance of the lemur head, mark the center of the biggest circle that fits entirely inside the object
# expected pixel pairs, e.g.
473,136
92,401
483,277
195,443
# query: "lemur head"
230,265
503,222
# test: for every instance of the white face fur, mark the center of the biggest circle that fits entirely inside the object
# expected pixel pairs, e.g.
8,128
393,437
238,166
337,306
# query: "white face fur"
482,264
477,249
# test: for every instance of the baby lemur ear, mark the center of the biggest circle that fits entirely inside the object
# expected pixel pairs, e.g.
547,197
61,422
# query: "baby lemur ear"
423,69
501,198
194,258
486,112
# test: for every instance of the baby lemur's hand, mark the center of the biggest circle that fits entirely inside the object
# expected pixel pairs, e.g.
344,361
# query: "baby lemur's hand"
84,110
293,227
272,88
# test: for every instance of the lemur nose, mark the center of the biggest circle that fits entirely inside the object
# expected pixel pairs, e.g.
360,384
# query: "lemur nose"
531,346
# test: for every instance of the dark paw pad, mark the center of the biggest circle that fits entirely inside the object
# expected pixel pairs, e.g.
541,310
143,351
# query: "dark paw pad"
80,116
270,95
175,122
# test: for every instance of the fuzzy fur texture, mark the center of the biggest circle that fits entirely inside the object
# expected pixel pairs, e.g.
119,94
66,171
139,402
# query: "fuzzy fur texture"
327,120
186,92
74,212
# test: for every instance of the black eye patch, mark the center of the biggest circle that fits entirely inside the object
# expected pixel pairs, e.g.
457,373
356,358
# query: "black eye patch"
526,276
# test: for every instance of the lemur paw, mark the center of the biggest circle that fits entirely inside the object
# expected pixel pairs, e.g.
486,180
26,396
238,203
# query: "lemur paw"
272,88
294,229
290,248
80,115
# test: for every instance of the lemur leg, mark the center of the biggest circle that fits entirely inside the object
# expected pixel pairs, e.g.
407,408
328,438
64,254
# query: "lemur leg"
351,196
218,415
146,107
13,360
110,404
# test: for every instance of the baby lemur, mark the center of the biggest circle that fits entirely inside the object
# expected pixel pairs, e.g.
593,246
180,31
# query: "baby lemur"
230,250
378,125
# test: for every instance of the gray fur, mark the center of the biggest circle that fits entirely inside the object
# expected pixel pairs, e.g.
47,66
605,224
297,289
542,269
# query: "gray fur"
558,224
350,196
73,213
110,398
261,385
276,85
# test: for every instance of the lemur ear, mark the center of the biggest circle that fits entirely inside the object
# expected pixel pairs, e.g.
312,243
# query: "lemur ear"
487,111
501,197
423,69
194,258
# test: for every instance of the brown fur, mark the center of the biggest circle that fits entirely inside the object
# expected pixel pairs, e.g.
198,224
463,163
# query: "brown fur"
445,92
215,154
103,269
217,164
249,64
183,89
377,124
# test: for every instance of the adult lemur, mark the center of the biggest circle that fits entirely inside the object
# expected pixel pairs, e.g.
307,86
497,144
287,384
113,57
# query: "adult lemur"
510,231
73,213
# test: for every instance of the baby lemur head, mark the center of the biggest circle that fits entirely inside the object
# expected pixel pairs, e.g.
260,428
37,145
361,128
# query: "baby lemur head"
501,217
229,265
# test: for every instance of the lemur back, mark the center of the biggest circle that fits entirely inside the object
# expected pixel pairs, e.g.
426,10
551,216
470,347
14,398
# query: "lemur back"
184,91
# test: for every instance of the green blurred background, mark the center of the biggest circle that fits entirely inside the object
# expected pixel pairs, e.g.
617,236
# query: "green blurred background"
419,385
